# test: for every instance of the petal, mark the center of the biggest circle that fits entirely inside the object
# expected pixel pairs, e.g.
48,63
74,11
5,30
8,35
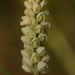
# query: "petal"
29,49
41,51
24,53
42,37
27,60
25,39
40,17
29,13
36,8
35,43
41,66
46,58
38,29
35,58
27,69
28,4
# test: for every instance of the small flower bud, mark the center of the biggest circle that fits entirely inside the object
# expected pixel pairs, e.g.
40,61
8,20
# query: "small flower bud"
24,53
28,31
41,51
31,1
35,58
38,29
46,58
29,13
43,4
34,22
29,49
25,39
40,17
27,60
42,66
42,37
26,68
45,24
36,7
35,43
28,5
26,21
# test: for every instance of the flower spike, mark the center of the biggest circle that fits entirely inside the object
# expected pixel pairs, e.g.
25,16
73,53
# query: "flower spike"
34,54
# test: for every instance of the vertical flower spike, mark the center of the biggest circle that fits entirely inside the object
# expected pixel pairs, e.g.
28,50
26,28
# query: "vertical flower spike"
34,28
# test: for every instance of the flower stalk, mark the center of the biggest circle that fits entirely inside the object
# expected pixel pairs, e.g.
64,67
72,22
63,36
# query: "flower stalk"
34,25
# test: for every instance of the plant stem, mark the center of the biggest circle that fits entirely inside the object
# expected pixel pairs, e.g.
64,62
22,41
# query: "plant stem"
35,70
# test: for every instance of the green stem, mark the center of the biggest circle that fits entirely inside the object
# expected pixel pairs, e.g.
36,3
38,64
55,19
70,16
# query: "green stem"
35,70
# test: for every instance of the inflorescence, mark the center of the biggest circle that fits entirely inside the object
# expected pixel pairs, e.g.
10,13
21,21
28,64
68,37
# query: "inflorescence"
34,29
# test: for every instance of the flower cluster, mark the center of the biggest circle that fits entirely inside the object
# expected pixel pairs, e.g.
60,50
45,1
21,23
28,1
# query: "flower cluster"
34,29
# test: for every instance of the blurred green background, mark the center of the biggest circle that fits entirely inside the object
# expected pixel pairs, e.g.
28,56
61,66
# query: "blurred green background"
61,37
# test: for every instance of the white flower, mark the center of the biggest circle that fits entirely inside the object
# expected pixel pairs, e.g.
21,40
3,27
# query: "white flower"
28,4
35,43
46,58
42,37
24,53
33,22
29,13
26,68
26,21
43,4
28,31
41,51
40,17
45,24
42,66
36,7
35,58
29,49
25,39
38,29
27,60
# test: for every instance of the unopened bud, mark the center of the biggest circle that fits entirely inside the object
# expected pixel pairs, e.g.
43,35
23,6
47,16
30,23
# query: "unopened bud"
25,39
26,21
29,49
29,13
42,37
36,7
35,43
42,66
43,4
35,58
34,22
29,31
28,5
40,17
27,60
26,68
41,51
46,58
38,29
24,53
